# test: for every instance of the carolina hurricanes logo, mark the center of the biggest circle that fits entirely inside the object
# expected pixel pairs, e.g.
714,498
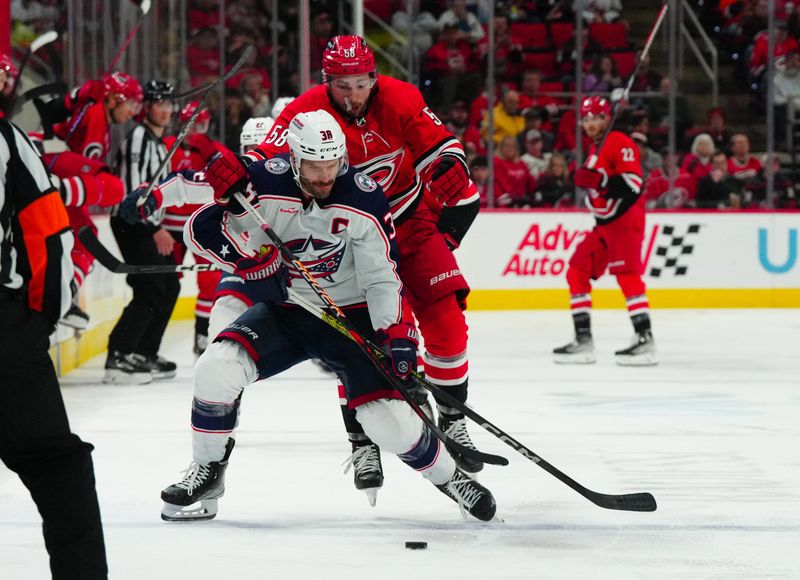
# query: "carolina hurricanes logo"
383,169
93,151
325,257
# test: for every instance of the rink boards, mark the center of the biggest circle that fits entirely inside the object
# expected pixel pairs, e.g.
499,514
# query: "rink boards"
696,259
517,260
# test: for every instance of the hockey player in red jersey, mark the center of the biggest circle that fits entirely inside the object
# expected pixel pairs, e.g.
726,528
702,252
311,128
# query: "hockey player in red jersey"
613,180
398,141
84,178
195,151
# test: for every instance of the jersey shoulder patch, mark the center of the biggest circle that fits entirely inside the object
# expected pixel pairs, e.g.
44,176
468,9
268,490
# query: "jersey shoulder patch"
364,182
277,165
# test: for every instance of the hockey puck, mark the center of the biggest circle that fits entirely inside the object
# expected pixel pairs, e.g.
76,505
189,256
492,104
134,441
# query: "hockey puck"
416,545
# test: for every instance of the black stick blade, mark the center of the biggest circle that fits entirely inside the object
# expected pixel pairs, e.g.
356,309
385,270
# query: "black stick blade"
631,502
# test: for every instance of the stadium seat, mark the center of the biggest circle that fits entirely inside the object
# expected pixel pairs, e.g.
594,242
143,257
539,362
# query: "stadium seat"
626,62
551,87
544,61
383,9
561,33
613,35
530,35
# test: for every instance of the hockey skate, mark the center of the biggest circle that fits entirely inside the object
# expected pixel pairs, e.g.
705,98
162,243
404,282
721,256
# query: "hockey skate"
160,367
126,369
367,469
580,351
472,498
455,427
641,353
200,343
203,485
75,318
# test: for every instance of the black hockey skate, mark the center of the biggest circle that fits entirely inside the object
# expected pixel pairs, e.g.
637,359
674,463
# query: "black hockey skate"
641,353
455,427
75,318
161,368
201,483
367,469
472,498
126,369
580,351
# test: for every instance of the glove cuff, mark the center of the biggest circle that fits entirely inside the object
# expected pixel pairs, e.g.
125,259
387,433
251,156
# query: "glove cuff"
399,331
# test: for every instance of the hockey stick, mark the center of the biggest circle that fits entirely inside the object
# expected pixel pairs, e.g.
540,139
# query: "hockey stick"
338,320
117,266
37,43
144,6
640,502
185,129
592,161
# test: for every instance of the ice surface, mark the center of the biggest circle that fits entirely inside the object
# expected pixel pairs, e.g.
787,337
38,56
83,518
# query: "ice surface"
712,432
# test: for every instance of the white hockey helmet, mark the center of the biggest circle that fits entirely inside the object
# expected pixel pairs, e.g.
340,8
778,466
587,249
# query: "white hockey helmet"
279,106
316,136
254,131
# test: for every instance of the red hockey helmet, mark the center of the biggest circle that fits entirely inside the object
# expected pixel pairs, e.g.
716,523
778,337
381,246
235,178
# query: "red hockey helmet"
595,107
188,110
347,55
124,86
7,65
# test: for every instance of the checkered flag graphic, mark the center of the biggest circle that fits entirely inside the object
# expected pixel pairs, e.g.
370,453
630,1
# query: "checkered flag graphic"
672,251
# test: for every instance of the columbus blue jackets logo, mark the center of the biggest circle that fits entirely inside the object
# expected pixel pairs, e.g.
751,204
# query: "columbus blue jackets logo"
365,182
320,257
277,165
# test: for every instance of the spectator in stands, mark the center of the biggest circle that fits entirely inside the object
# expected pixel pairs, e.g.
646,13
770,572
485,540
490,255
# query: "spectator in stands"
650,159
657,190
468,25
321,33
658,111
453,68
598,10
425,29
567,56
508,121
479,173
513,183
715,129
603,78
784,44
507,54
255,95
246,15
565,135
755,193
469,135
536,119
555,10
203,14
697,163
646,80
719,189
235,116
530,94
554,187
202,56
787,89
534,156
784,186
741,164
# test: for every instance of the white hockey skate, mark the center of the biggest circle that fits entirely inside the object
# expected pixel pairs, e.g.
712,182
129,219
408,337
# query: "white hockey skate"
195,497
578,352
367,469
641,353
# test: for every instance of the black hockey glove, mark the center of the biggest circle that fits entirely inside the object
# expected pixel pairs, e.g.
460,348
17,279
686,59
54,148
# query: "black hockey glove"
455,221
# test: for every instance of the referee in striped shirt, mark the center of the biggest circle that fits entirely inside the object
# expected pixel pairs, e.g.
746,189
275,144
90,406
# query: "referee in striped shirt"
35,438
135,340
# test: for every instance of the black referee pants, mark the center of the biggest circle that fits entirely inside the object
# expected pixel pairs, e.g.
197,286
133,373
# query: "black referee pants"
144,320
36,443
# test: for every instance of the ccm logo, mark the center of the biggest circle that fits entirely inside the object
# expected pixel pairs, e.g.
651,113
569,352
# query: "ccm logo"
444,276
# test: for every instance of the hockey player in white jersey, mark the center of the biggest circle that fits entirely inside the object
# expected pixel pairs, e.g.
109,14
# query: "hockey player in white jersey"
337,222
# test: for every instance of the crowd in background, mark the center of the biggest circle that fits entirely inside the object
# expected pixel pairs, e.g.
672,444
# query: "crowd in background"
535,68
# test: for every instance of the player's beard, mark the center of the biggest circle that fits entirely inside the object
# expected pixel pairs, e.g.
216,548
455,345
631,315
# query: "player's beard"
355,110
316,189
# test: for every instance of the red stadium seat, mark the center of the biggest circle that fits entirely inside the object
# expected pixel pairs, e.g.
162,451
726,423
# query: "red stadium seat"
561,33
626,62
612,35
544,61
383,9
551,87
530,35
